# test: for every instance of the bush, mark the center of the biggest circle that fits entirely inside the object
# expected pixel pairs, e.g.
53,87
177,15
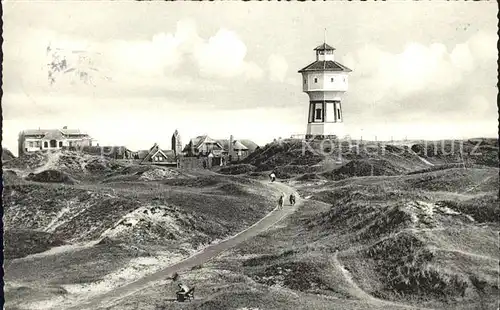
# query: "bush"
51,176
237,169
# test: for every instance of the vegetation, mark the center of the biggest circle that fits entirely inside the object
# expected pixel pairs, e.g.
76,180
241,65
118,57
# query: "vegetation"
381,226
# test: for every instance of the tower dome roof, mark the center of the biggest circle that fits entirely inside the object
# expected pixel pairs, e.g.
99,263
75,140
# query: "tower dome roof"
324,47
325,65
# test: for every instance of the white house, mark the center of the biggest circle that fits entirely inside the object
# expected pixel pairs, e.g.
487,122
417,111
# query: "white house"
33,140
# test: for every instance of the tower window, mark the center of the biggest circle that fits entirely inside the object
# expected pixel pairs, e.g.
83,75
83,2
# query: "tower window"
315,80
318,113
305,81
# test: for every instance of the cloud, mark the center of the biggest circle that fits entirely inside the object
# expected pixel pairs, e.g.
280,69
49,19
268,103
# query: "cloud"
278,68
423,79
223,55
169,61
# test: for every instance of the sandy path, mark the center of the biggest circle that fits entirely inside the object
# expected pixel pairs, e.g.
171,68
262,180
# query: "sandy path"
199,258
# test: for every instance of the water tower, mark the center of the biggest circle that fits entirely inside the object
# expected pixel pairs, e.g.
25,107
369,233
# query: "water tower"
325,81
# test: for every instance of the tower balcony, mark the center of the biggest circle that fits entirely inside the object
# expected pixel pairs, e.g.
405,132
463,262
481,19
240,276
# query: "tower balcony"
325,95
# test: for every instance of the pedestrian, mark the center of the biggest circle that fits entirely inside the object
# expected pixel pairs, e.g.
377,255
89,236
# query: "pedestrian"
281,201
292,199
182,289
272,176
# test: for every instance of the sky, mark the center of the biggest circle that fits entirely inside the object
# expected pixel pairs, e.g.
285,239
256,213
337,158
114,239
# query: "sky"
421,70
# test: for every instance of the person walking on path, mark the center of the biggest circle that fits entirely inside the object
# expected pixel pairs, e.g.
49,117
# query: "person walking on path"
292,199
272,176
281,202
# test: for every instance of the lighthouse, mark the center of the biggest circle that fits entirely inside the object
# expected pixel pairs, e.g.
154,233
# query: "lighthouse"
325,81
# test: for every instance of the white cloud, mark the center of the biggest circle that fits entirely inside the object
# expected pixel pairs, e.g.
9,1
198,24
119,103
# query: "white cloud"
278,68
462,58
175,60
223,55
418,69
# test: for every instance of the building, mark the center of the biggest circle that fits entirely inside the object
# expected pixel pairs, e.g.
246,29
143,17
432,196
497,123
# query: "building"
325,81
176,143
33,140
202,146
218,152
237,150
157,156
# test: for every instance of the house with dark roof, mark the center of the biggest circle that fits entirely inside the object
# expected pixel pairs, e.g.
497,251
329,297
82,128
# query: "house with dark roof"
157,156
33,140
237,149
202,146
219,151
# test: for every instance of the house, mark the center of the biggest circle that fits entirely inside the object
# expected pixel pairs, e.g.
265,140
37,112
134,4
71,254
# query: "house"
219,152
204,146
157,156
141,154
239,150
33,140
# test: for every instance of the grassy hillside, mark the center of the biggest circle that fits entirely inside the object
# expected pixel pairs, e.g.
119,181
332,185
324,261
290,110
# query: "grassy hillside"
425,240
377,231
343,159
109,226
473,151
382,226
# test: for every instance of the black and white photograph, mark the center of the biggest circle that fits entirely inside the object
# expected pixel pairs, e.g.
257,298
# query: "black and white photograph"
250,155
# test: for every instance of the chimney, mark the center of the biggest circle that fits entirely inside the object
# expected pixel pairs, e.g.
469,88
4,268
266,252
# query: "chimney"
230,149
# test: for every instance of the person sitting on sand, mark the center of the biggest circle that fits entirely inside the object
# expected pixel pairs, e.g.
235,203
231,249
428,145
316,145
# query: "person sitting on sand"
183,289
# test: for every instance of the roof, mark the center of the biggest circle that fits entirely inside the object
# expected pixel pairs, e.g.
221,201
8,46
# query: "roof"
324,47
249,144
43,132
239,144
153,151
325,65
142,153
72,131
200,140
53,135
